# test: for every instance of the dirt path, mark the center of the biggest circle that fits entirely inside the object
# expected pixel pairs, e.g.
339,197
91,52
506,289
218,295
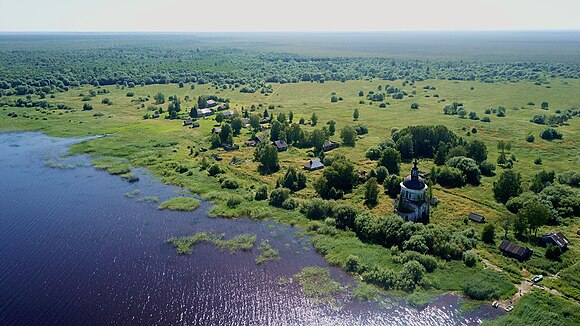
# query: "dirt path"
523,288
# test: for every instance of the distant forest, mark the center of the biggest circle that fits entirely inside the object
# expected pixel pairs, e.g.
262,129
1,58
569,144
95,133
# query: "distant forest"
67,62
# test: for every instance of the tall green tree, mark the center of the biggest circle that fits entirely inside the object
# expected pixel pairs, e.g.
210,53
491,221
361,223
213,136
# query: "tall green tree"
314,119
159,98
226,134
535,214
267,156
355,115
507,186
348,136
371,192
391,159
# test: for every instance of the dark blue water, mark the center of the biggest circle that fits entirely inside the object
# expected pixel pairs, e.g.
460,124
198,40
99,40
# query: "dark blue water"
75,251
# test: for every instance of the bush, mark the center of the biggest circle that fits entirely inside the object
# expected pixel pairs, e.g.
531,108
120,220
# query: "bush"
550,133
487,168
530,138
488,234
374,153
428,262
414,106
571,178
87,107
485,119
234,201
468,166
469,258
450,177
290,204
214,170
553,252
381,173
279,196
230,184
130,94
353,264
315,209
384,277
261,193
411,275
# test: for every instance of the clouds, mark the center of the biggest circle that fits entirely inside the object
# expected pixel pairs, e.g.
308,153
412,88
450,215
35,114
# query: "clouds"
297,15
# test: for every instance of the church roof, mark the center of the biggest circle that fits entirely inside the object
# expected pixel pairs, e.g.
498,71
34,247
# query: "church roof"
413,181
415,184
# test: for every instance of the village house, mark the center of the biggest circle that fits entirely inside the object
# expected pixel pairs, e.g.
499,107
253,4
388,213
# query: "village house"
222,107
281,145
313,165
216,130
228,113
205,112
187,122
556,238
412,204
476,217
195,124
329,145
513,250
155,115
210,103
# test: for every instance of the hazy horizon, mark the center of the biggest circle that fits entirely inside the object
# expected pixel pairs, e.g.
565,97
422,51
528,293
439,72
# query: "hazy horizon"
179,16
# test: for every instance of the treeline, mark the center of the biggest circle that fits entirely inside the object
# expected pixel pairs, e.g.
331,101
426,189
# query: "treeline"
47,71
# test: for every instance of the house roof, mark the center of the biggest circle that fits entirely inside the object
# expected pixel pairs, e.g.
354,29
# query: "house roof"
514,250
556,238
314,164
228,113
280,144
216,130
476,217
187,122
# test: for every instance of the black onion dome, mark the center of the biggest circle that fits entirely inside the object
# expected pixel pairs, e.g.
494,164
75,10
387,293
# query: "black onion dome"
415,184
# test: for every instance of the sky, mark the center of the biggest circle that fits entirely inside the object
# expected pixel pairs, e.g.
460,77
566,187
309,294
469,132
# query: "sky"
288,16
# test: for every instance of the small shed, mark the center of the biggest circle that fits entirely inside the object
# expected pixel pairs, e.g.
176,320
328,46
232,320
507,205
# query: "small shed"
281,145
250,143
155,115
513,250
195,124
313,165
476,217
329,145
556,238
211,103
187,122
222,108
216,157
260,139
215,130
265,120
230,147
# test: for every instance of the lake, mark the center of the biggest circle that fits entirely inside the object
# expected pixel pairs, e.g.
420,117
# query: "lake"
77,249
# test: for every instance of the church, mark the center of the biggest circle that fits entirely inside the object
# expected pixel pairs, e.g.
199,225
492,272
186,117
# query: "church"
412,204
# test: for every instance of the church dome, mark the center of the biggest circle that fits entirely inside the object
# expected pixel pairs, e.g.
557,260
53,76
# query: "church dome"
415,184
413,181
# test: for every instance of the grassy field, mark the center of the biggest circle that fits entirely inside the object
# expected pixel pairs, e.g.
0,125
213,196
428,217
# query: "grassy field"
171,151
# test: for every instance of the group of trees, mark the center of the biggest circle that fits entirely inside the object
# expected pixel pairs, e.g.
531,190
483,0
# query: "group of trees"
337,179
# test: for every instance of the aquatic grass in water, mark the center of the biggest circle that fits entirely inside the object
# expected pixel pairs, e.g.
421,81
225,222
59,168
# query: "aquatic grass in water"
365,291
267,253
181,204
148,199
132,194
113,165
183,245
317,284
